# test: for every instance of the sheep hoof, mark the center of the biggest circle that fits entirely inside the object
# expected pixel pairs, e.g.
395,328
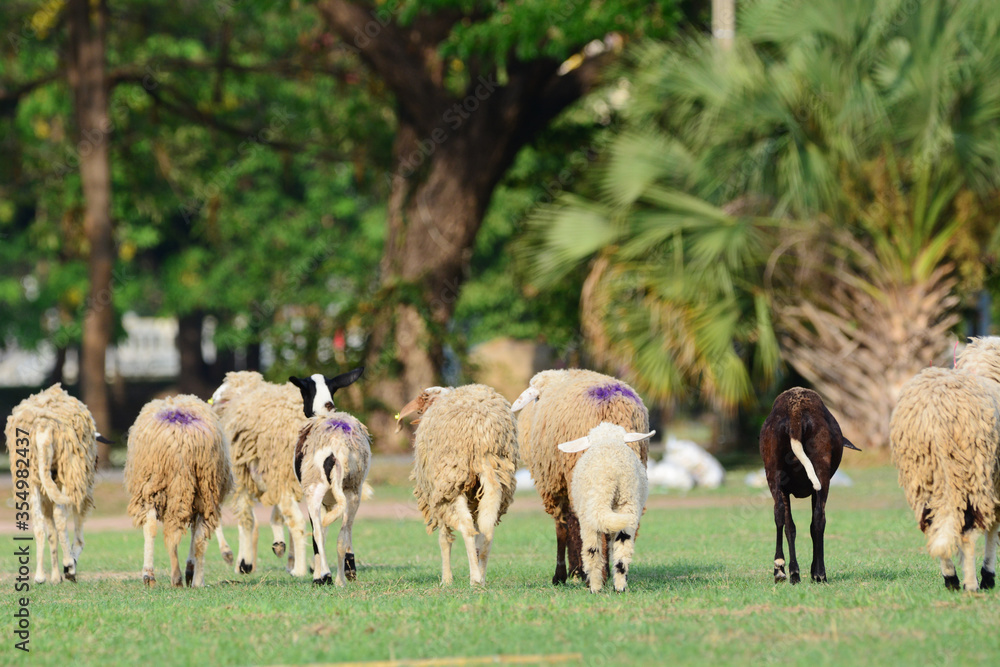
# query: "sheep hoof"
189,573
278,548
149,580
989,579
245,568
819,578
952,583
794,578
350,571
325,580
69,573
779,576
227,556
560,576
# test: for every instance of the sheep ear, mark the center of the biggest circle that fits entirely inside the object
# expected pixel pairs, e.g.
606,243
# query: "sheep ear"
636,437
577,445
344,379
527,396
413,406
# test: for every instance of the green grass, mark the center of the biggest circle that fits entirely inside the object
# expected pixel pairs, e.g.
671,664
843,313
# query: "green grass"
700,592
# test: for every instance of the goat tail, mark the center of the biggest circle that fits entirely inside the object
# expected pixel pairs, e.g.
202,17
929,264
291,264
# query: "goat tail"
795,438
610,522
45,453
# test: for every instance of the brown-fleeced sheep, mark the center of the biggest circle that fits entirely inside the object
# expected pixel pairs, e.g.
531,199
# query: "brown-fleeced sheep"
331,462
801,445
177,471
465,454
563,405
51,437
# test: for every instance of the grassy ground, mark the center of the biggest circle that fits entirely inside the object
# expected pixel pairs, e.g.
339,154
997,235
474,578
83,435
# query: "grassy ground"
700,592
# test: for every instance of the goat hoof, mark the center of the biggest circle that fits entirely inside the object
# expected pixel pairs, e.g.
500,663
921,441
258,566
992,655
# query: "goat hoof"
189,573
149,580
245,568
952,583
228,557
794,578
780,577
989,579
350,570
278,548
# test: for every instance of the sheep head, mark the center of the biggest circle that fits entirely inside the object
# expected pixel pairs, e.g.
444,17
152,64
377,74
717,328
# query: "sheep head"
419,405
603,433
317,390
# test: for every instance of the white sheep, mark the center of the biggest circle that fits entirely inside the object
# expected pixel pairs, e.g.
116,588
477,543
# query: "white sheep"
944,437
465,453
331,462
562,405
52,440
609,491
177,470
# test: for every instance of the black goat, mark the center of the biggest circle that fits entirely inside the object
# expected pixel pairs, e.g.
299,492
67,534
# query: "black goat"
801,444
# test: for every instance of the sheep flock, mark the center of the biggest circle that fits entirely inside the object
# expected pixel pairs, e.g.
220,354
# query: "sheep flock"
583,435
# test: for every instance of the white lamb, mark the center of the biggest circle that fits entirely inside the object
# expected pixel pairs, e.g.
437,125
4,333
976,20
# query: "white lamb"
608,492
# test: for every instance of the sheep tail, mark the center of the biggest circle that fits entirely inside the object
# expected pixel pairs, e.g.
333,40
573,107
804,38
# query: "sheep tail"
945,525
489,501
45,469
367,491
336,478
609,521
795,436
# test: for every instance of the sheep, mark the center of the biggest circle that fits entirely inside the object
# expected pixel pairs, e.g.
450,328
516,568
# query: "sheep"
331,463
801,445
608,491
945,439
562,405
53,442
263,421
178,471
465,453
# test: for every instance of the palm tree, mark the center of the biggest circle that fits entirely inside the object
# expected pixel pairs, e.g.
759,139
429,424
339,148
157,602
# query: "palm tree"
825,186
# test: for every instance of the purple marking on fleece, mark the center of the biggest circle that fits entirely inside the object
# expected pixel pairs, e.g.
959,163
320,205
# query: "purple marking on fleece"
606,392
177,417
334,424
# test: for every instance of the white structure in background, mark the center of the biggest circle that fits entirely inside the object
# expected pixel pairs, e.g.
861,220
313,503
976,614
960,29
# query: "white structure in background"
523,479
684,466
758,479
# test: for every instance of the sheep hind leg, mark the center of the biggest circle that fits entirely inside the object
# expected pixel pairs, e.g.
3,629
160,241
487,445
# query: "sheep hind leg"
560,575
816,530
968,547
77,535
346,569
38,525
622,550
574,547
466,525
445,538
149,537
592,546
247,525
951,581
194,574
55,574
278,532
314,504
59,517
227,553
489,510
172,538
296,523
793,563
989,570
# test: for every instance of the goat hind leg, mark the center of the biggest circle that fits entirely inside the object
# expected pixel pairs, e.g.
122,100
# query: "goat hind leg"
817,529
793,563
779,552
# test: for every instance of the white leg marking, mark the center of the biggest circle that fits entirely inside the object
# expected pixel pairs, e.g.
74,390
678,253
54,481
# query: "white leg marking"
800,454
149,536
969,581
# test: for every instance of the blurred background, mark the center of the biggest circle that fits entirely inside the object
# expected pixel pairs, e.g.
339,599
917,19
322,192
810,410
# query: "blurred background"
712,200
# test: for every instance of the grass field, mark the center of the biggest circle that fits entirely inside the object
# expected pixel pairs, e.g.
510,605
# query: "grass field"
700,592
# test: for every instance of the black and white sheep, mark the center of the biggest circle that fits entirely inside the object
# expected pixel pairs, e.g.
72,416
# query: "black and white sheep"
801,445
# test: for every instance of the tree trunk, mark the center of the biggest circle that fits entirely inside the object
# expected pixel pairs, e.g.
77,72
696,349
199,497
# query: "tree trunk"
194,377
88,80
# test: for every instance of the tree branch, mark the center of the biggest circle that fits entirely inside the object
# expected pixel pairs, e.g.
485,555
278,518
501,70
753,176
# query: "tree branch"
10,97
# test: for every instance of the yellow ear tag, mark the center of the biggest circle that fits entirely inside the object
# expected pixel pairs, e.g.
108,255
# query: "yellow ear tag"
211,400
397,416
